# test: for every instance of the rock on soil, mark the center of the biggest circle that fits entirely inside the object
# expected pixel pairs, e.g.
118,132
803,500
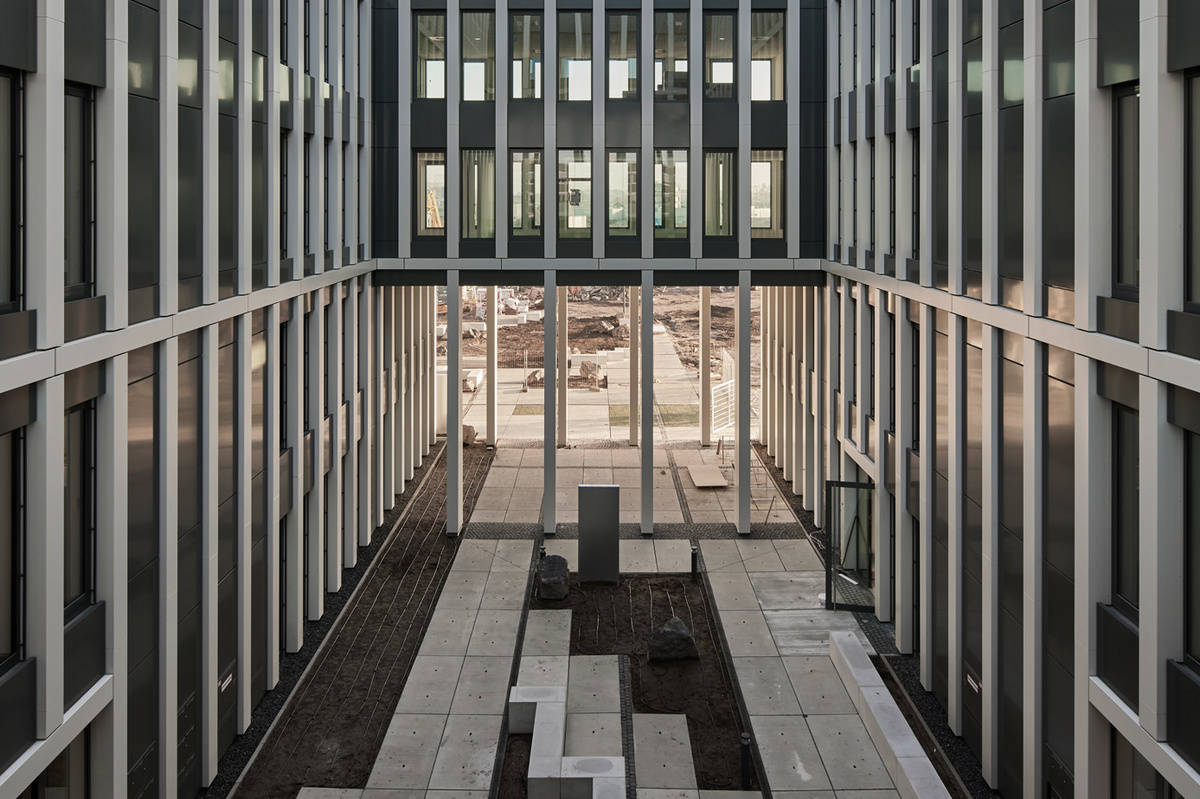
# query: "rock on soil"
552,578
672,641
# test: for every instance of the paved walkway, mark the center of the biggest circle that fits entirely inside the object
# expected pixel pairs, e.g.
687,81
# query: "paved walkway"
810,737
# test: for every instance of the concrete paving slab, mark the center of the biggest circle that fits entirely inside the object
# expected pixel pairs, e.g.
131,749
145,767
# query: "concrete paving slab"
549,731
788,754
788,590
759,555
585,777
594,684
818,687
335,793
467,753
864,795
504,591
512,556
721,555
543,670
673,555
730,795
637,556
523,701
495,632
482,686
666,793
848,754
564,547
475,554
506,457
806,632
747,634
430,684
440,795
765,687
593,734
662,751
463,590
608,788
448,633
732,590
407,756
547,632
404,793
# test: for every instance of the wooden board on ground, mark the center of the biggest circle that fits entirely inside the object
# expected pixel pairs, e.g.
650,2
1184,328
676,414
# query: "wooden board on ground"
706,476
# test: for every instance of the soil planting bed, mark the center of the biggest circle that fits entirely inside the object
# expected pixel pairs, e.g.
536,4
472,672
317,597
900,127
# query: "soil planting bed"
330,733
618,619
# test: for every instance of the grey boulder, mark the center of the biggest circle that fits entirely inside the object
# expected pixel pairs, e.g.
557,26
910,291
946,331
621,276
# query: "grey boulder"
673,641
552,577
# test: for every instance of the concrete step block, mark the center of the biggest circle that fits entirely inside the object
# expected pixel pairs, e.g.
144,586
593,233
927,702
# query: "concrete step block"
523,701
608,788
853,666
549,730
578,774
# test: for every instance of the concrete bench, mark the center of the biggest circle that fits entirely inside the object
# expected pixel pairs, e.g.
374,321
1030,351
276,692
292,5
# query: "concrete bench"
902,754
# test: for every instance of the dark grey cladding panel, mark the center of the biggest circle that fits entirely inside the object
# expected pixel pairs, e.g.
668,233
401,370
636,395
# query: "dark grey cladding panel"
574,124
1183,43
192,12
1010,11
258,26
768,248
385,189
17,408
1183,697
85,39
1118,45
1058,46
227,16
811,78
1183,409
85,317
720,4
574,248
672,248
621,5
1183,333
526,125
941,26
428,247
623,123
143,192
1058,209
1119,385
671,5
1117,317
18,333
477,124
477,4
1116,637
623,247
536,5
672,124
83,384
384,64
385,124
18,697
813,163
720,124
768,125
84,641
18,50
191,49
477,248
431,133
889,104
941,87
720,247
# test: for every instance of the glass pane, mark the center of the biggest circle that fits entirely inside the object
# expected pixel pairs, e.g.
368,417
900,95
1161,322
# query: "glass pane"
75,516
574,56
1126,191
527,56
9,538
527,194
8,265
479,194
670,194
718,56
1192,223
1192,491
75,188
431,193
671,55
431,57
479,56
766,194
1125,494
718,194
622,56
574,194
622,194
766,55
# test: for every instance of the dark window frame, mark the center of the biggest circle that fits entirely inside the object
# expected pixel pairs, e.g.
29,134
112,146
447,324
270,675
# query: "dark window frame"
1125,605
1191,242
541,186
418,208
671,95
783,91
87,597
1124,291
635,223
704,60
733,235
559,77
416,33
1191,540
659,190
87,288
639,78
541,58
462,62
17,587
17,191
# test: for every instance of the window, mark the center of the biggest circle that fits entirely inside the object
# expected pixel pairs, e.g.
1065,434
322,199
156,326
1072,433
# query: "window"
671,55
79,516
574,56
431,57
915,200
68,775
1125,192
718,193
78,200
478,56
478,194
622,56
431,194
1192,202
766,55
670,194
527,56
574,194
766,194
719,66
622,193
1191,490
1125,509
12,538
526,187
10,195
1132,775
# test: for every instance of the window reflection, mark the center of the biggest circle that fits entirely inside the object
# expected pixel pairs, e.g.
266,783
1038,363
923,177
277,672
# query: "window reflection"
719,68
79,459
766,55
478,194
431,194
622,56
670,194
478,56
574,194
431,56
574,56
766,194
718,193
526,56
622,193
526,188
671,55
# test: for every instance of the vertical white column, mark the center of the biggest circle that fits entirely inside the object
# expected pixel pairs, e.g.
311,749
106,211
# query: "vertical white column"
764,359
904,56
564,357
550,131
905,439
381,394
453,96
925,435
454,445
241,454
112,163
493,431
990,558
405,443
1033,298
647,400
295,141
779,374
549,428
168,206
353,421
599,154
390,385
635,350
503,161
743,402
954,583
884,518
293,581
1093,193
797,388
742,203
209,458
645,189
954,233
1161,539
705,366
333,399
925,201
273,425
367,378
242,96
990,184
1033,453
783,378
316,497
414,377
428,312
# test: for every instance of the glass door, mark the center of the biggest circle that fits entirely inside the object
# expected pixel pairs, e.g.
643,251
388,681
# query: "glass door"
850,564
